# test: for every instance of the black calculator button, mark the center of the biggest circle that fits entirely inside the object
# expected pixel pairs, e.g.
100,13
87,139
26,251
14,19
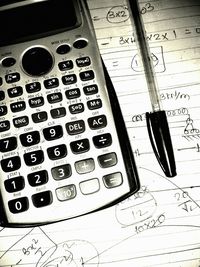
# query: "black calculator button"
36,102
18,106
87,75
76,108
79,44
80,146
34,158
90,89
15,91
57,152
66,192
21,121
38,178
14,184
12,77
51,83
107,160
58,112
65,65
63,49
4,126
42,199
30,139
8,144
3,110
69,79
11,164
2,95
39,116
97,122
94,104
33,87
102,140
61,172
18,205
54,98
73,93
113,180
8,62
52,133
84,166
75,127
83,62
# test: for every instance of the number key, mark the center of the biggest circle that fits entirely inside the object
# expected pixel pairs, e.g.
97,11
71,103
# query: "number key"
30,139
14,184
38,178
53,132
34,158
18,205
11,164
8,144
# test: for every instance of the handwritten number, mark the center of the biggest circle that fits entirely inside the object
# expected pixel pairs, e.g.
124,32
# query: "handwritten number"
148,7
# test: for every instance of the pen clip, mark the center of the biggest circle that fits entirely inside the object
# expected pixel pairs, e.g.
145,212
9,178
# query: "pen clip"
160,138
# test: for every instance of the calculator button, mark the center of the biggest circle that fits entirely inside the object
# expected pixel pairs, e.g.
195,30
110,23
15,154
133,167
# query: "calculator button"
11,164
66,192
58,112
65,65
54,98
15,91
63,49
97,122
36,102
84,166
73,93
107,160
14,184
90,186
39,117
4,126
1,81
75,127
3,110
30,139
34,158
113,180
18,106
2,95
12,77
94,104
87,75
76,108
38,178
52,133
61,172
102,140
18,205
57,152
69,79
8,144
90,89
21,121
79,44
33,87
42,199
83,62
51,83
80,146
8,62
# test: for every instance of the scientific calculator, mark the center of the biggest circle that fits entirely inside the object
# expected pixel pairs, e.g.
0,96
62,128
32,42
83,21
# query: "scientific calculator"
64,148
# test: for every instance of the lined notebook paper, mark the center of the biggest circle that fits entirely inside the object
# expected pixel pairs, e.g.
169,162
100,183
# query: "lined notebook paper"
160,225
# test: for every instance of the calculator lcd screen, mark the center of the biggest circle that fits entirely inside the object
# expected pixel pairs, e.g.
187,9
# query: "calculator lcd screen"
36,19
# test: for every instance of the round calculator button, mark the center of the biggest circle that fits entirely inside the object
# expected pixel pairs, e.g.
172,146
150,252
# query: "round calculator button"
81,43
37,61
63,49
8,62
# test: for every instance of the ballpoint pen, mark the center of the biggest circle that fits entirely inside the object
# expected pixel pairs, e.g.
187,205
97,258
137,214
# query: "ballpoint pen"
156,120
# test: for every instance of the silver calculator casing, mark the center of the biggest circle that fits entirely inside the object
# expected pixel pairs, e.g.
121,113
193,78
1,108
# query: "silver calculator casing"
81,203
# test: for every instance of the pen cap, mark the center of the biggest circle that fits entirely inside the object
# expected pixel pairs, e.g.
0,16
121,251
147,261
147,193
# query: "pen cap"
160,138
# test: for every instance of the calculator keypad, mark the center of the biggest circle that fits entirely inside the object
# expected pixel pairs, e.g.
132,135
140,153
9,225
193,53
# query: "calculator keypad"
58,142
